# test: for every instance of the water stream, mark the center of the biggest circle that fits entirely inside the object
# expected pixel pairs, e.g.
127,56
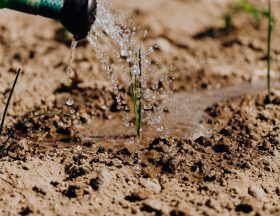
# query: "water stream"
185,121
70,71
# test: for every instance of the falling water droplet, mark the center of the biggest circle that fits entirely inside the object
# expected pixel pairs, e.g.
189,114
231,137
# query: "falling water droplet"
61,124
69,102
160,129
70,72
158,119
148,106
145,34
131,140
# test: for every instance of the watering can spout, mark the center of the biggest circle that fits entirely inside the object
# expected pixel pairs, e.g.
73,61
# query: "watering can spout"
77,16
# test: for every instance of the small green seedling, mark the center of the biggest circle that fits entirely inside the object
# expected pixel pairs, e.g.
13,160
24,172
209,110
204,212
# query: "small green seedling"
244,6
139,126
136,86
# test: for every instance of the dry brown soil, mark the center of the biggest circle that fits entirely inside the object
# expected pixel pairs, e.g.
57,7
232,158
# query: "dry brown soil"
222,155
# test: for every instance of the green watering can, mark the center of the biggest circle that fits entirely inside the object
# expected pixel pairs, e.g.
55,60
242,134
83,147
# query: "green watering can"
77,16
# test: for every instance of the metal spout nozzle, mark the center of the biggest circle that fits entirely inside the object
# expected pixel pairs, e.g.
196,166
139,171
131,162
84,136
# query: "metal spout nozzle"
78,16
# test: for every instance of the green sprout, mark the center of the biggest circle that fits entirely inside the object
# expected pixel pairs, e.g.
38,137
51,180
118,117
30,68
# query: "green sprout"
268,58
244,6
136,85
139,126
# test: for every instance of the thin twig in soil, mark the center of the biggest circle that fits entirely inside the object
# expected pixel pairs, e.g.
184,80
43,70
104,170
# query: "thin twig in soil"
8,102
5,144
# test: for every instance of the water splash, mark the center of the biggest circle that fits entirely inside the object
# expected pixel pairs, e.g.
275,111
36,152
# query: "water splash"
117,48
69,102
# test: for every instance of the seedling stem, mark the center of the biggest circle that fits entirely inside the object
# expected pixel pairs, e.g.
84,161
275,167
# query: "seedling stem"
136,93
139,128
270,26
